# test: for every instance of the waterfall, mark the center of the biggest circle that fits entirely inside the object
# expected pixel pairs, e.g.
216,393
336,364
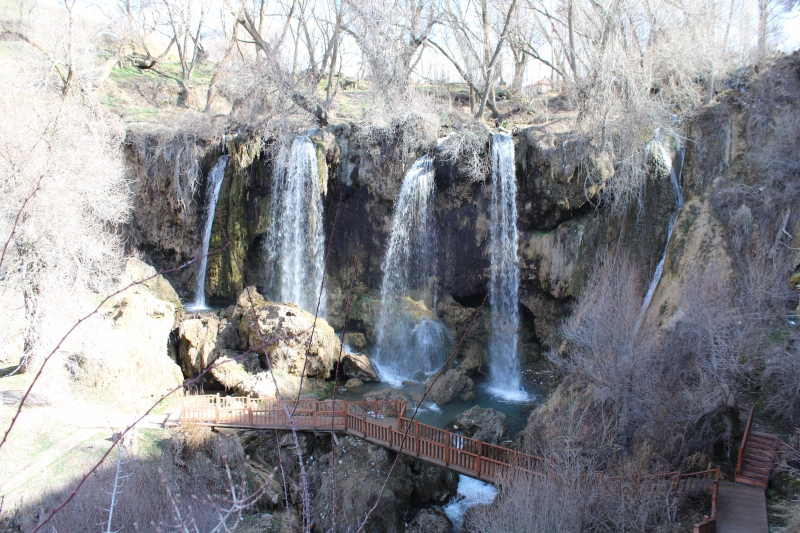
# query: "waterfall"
504,283
212,195
675,179
295,243
411,342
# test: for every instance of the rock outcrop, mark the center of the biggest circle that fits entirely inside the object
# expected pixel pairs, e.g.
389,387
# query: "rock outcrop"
488,425
451,385
293,340
133,357
430,520
197,343
358,366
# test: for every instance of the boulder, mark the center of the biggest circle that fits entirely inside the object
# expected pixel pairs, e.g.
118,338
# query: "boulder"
431,520
134,360
488,425
385,395
358,366
137,270
241,374
431,483
356,341
197,342
353,382
283,332
474,350
450,385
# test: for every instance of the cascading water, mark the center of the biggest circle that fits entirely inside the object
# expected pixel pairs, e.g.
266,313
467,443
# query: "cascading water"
504,283
411,342
471,492
212,195
675,179
295,244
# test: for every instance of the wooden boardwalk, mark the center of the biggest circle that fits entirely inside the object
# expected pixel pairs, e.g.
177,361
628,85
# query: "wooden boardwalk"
385,423
741,508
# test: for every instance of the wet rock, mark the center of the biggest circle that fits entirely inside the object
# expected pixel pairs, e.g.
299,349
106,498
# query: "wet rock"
432,484
357,341
552,177
353,382
358,366
281,332
473,352
488,425
432,520
385,395
450,385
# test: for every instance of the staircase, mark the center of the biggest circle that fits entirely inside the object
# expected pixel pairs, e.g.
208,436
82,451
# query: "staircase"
756,456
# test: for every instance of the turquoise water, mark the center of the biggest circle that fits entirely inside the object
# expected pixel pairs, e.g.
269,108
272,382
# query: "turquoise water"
536,385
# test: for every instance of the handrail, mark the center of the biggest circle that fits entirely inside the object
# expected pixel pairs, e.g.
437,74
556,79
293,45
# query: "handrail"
454,451
744,441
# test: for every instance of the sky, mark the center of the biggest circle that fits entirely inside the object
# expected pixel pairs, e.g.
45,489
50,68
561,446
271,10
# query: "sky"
791,30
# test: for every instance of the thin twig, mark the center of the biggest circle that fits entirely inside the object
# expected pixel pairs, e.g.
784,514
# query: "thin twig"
16,220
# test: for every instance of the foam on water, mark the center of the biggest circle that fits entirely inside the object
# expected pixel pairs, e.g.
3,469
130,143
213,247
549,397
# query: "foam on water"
471,492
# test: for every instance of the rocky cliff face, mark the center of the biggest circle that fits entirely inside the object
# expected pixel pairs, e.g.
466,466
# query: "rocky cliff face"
558,227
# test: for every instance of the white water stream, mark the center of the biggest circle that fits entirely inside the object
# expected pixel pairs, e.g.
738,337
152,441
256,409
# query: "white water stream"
504,284
295,244
411,342
675,179
471,492
212,195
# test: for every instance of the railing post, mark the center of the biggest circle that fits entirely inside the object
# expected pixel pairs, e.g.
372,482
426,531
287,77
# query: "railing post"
216,404
396,414
250,410
344,422
314,410
447,449
416,432
480,454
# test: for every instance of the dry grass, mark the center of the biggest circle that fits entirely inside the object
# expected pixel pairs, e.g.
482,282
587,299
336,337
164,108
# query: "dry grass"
572,499
186,471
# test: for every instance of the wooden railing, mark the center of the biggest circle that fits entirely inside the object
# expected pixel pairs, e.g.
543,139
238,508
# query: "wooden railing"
381,421
384,422
744,441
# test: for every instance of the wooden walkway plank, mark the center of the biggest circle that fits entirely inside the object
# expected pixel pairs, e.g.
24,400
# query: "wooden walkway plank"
741,509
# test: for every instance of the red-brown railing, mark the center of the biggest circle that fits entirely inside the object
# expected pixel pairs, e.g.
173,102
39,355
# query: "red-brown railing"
367,420
384,422
744,441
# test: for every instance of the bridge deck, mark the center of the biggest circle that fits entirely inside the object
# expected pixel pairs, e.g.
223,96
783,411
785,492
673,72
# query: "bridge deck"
384,423
741,509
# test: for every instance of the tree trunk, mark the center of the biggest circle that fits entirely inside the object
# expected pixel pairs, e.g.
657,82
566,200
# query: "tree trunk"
763,12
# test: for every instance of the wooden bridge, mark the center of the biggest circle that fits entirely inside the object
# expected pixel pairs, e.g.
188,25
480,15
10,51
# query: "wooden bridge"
385,423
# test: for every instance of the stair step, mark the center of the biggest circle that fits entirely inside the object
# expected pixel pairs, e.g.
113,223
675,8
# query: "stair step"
751,477
756,468
759,458
759,445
